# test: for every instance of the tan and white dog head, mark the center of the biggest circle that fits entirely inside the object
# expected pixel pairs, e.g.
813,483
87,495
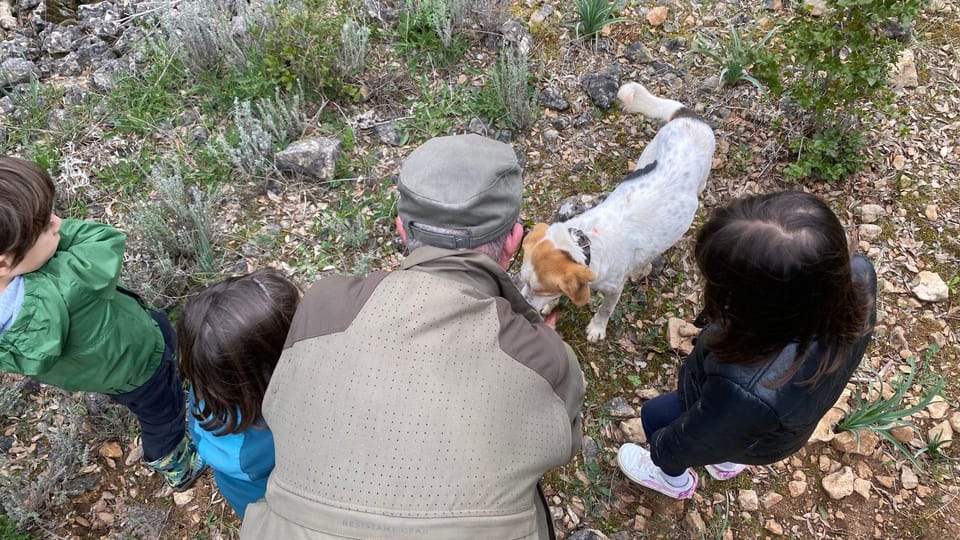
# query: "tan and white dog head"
553,266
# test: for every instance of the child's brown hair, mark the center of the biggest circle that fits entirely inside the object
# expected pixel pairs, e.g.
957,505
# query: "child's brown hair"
777,269
230,338
26,202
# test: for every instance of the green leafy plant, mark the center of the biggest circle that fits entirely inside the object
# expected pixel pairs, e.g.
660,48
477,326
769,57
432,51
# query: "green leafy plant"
831,154
883,415
736,57
832,64
594,16
426,29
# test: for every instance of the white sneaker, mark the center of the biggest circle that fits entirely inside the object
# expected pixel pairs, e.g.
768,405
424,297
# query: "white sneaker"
636,464
724,471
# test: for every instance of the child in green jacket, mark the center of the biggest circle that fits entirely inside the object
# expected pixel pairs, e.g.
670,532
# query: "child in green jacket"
65,322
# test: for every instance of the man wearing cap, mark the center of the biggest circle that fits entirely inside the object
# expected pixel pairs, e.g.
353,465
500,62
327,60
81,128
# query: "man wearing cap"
424,403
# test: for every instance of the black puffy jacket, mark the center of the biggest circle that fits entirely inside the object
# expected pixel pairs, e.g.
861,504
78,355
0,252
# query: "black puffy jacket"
729,414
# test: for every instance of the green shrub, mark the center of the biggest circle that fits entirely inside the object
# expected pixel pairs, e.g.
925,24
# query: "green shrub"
833,63
298,41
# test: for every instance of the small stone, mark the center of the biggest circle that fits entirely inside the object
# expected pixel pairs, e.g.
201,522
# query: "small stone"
769,500
931,212
183,498
797,488
905,72
862,487
657,15
773,527
908,478
633,431
816,7
899,162
955,421
863,442
930,287
679,334
748,500
639,523
110,450
940,433
824,431
619,408
540,16
694,523
839,484
638,53
870,213
885,481
903,434
869,232
938,407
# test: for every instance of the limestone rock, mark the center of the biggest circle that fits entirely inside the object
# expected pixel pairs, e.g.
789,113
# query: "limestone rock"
839,484
930,287
870,213
941,432
824,431
905,72
773,527
908,478
869,232
862,487
679,334
748,500
633,431
863,442
315,157
657,15
769,500
938,407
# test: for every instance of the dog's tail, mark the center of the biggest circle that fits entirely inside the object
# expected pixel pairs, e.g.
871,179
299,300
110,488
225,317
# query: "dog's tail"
636,99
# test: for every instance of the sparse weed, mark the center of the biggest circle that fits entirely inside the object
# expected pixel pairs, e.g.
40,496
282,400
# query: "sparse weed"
259,129
884,415
594,16
511,82
36,486
426,27
735,57
354,44
199,33
177,232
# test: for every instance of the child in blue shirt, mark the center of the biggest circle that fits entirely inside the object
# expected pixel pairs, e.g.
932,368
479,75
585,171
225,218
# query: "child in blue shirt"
230,338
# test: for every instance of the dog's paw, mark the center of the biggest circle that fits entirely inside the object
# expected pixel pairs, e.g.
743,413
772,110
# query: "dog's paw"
596,333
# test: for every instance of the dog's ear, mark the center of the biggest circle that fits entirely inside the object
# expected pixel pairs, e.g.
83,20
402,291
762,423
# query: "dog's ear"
576,285
534,236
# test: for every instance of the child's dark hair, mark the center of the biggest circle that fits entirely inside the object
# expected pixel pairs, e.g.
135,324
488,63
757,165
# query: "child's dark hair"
777,270
26,202
230,338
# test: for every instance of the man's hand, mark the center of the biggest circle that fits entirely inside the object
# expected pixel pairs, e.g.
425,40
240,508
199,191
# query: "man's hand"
551,319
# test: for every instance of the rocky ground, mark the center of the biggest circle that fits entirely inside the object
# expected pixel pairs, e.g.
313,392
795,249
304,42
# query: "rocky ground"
903,208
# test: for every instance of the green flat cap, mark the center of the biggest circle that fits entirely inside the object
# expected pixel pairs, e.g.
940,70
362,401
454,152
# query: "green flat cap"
468,183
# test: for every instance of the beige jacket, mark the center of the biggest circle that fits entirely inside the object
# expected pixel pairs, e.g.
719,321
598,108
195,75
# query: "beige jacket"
424,403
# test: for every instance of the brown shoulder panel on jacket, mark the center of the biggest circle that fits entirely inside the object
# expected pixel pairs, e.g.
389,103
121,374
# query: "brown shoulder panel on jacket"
535,346
330,305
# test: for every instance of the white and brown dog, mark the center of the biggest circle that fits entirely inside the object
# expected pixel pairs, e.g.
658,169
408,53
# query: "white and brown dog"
647,213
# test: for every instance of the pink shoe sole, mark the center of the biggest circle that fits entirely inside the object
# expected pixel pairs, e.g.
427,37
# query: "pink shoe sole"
724,474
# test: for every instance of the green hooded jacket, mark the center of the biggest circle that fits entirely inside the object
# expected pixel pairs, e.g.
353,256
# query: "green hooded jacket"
75,330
